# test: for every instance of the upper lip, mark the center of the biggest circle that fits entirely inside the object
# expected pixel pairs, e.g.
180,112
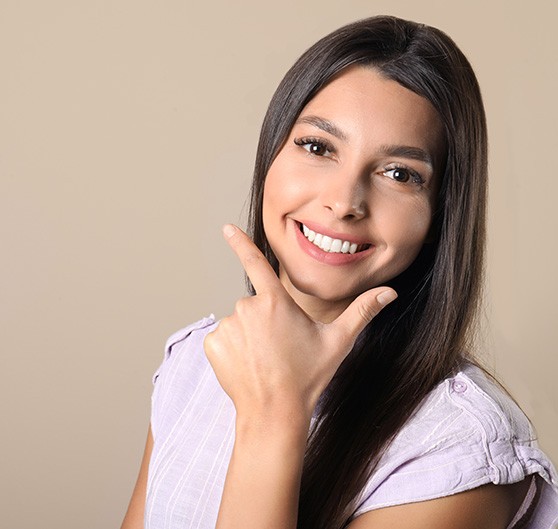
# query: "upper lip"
318,228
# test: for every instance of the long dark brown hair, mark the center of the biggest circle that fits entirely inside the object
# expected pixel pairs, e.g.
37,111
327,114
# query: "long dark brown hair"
423,336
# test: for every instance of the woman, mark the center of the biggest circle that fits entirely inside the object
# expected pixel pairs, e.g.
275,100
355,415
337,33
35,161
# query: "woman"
341,393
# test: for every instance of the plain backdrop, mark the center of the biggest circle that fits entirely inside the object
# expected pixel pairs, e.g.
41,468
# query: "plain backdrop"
128,131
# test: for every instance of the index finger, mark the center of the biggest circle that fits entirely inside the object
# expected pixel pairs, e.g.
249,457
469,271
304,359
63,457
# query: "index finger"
257,267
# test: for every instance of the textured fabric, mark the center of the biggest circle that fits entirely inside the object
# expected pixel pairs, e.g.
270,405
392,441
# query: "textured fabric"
467,433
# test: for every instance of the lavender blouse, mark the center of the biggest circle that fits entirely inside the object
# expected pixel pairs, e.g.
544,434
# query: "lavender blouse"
467,433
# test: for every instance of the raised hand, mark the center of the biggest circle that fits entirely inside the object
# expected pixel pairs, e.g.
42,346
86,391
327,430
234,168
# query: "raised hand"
269,355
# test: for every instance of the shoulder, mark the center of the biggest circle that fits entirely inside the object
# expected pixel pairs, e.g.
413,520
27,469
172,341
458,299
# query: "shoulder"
186,342
486,507
184,380
468,432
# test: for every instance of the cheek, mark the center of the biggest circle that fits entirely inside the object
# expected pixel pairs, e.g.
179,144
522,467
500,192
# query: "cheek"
284,191
272,200
405,227
271,196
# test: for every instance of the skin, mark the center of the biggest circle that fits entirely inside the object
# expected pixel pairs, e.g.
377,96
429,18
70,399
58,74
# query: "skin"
352,189
280,348
136,509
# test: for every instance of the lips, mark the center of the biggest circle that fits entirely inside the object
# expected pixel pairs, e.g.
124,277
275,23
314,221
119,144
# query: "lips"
334,258
330,244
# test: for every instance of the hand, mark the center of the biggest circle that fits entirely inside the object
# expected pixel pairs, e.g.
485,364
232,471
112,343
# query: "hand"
269,356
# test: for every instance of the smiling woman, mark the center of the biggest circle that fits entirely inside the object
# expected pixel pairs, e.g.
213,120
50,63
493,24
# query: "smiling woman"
342,393
361,166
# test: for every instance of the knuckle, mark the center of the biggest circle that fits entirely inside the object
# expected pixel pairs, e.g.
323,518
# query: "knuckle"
367,311
209,343
252,258
215,341
224,326
270,300
270,304
242,306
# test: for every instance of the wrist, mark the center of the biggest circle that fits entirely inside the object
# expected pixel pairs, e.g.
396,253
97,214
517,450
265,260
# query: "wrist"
283,424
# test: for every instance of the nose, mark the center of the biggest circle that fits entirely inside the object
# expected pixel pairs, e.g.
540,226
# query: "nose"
345,198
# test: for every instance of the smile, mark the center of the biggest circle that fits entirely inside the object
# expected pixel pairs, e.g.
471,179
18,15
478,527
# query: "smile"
328,244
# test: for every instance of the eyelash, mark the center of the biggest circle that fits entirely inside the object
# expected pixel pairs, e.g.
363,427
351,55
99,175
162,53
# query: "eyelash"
414,177
324,145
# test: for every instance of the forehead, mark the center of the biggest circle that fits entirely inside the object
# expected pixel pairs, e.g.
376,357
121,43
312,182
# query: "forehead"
366,106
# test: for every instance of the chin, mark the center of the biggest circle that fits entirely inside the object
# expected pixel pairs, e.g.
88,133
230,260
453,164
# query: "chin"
331,292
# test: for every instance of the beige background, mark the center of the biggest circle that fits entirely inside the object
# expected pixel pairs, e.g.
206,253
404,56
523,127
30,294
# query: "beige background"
127,135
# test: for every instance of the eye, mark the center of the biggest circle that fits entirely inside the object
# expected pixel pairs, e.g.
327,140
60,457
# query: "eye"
315,146
403,175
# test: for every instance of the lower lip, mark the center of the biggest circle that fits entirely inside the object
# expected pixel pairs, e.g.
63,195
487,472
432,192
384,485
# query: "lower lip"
334,259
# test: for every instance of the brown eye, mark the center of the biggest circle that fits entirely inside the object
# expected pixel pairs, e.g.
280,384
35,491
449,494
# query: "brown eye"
315,146
403,175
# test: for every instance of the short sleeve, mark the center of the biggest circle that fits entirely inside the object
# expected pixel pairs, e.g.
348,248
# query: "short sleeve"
466,434
193,425
183,364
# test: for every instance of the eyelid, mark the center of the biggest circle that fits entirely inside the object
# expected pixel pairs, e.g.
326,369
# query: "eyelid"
415,175
306,140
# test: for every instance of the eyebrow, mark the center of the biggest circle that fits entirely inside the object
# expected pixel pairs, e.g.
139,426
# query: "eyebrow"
323,124
402,151
405,151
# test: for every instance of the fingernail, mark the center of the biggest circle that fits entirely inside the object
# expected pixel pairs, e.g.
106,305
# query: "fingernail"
229,230
386,297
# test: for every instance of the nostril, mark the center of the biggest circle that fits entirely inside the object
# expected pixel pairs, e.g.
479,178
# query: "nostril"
354,214
347,212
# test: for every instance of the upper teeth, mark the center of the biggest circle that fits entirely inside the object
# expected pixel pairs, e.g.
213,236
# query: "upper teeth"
327,244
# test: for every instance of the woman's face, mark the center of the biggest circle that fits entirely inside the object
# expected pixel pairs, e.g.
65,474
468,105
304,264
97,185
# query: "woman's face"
349,199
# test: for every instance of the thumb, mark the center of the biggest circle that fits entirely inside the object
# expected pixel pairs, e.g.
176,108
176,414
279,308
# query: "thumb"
363,310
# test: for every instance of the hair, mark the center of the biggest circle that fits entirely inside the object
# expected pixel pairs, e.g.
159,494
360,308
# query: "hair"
424,336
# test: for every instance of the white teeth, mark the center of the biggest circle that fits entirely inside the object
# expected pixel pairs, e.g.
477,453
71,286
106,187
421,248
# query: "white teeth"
309,234
336,246
327,244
